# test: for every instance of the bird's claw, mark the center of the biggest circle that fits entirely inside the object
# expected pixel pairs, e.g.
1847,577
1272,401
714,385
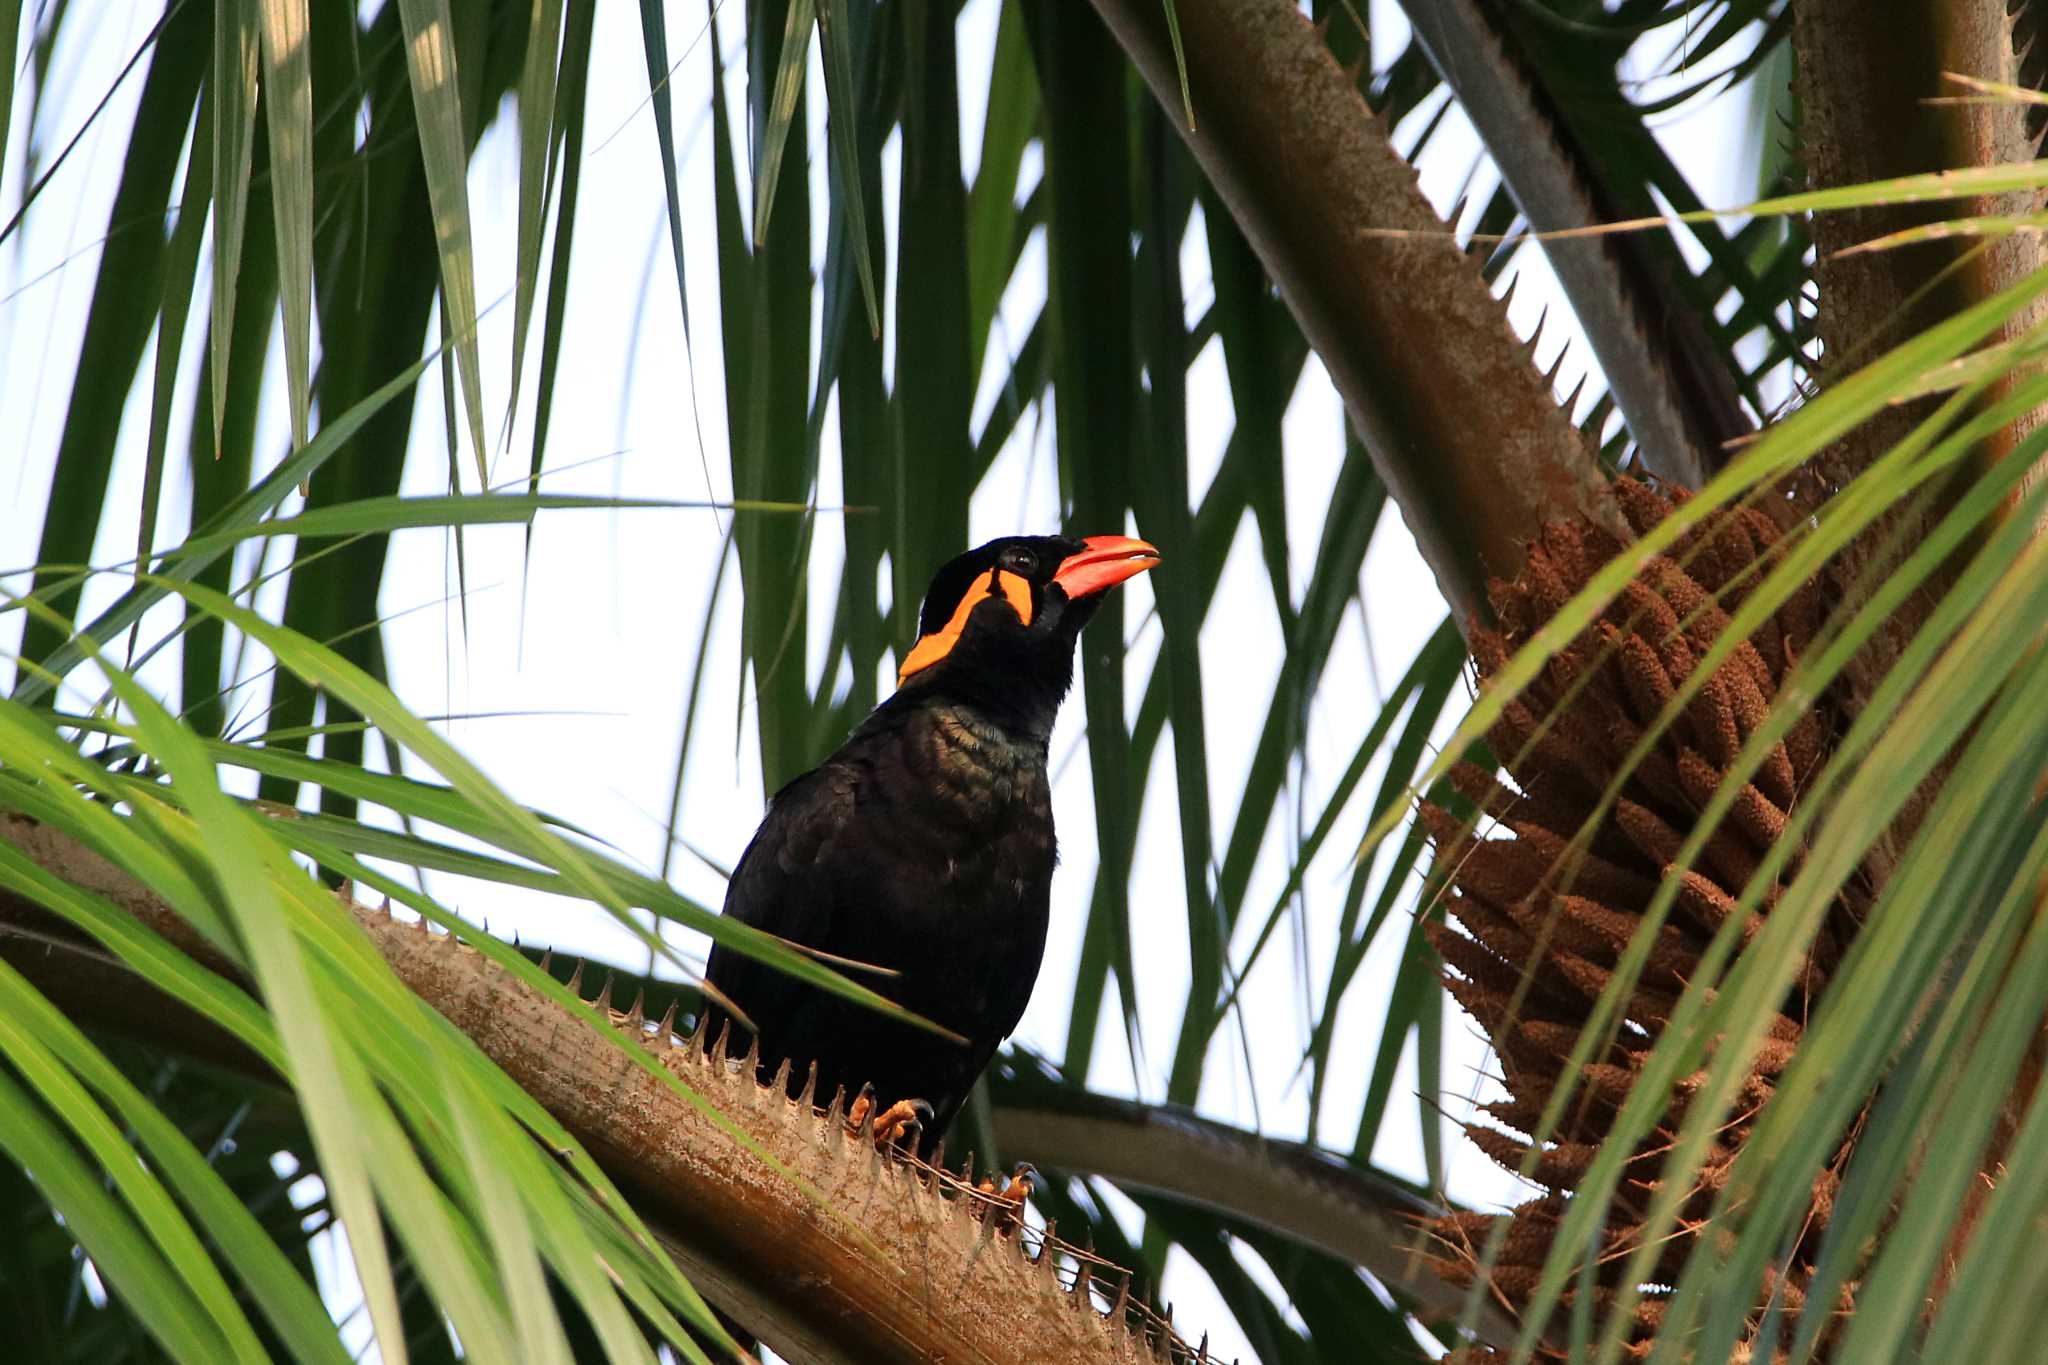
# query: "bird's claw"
900,1121
1009,1197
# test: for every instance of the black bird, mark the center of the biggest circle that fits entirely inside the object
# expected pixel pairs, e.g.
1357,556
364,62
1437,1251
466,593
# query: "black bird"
925,843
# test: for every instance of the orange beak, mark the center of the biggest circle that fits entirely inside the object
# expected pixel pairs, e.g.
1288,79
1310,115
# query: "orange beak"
1107,561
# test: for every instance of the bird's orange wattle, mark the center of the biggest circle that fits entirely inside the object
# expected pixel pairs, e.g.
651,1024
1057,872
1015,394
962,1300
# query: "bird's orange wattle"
937,645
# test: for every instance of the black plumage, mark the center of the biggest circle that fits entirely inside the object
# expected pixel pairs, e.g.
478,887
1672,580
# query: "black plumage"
924,844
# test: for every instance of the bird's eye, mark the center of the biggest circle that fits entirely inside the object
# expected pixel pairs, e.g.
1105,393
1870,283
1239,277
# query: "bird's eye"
1019,560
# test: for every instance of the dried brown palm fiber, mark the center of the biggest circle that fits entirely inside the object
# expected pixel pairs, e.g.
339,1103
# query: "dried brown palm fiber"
1696,613
1675,951
1649,686
1604,1080
1474,960
1527,1070
1492,988
1559,749
1728,553
1799,616
1585,1119
1644,508
1557,1163
1555,825
1645,1006
1649,1313
1481,787
1652,836
1712,712
1804,744
1526,1242
1544,587
1774,1051
1655,779
1502,870
1546,903
1588,929
1641,611
1520,1282
1493,928
1757,1087
1556,806
1757,816
1549,1043
1534,1223
1749,689
1707,903
1775,777
1728,855
1495,1009
1704,622
1699,898
1543,859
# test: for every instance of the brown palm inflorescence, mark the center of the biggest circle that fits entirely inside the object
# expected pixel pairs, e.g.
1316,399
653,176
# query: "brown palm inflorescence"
1551,885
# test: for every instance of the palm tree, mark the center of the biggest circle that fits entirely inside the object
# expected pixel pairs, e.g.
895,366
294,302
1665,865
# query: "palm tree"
1736,846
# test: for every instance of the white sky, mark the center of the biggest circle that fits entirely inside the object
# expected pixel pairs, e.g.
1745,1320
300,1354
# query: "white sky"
589,646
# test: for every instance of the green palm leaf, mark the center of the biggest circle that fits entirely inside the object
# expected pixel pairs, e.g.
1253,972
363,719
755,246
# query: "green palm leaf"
1130,266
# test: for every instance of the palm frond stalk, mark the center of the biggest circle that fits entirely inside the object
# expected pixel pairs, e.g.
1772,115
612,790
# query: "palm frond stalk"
1878,102
1333,227
1766,1002
726,1168
735,1177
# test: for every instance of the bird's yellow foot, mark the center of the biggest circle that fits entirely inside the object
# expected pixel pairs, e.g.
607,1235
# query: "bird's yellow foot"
1009,1197
892,1125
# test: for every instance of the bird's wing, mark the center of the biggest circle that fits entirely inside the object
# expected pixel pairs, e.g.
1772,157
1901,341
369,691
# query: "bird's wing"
783,886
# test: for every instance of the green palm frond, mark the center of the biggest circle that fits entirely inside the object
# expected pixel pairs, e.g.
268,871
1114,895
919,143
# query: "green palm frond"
1141,261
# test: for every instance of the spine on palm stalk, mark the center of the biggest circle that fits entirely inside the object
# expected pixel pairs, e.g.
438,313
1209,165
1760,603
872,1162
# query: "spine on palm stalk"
1550,886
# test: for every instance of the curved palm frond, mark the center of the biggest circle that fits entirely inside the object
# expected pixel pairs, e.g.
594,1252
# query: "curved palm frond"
1112,259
